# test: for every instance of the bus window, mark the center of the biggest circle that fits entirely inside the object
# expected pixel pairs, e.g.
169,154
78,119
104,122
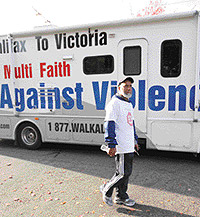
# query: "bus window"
98,65
171,55
132,60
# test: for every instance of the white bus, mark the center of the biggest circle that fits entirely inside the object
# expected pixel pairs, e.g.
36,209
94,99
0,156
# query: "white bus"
55,83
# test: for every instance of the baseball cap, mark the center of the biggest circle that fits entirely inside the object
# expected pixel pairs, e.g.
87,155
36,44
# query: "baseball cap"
126,79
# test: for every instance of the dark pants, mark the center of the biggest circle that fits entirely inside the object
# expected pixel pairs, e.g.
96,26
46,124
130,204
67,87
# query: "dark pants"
120,179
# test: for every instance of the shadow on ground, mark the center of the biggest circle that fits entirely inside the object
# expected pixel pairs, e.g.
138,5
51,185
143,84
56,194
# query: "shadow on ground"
146,211
168,171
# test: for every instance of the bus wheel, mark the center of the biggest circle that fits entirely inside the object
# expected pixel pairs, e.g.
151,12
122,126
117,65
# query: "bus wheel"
28,136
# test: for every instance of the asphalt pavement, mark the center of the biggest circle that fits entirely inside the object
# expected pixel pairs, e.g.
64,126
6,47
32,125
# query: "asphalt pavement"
64,181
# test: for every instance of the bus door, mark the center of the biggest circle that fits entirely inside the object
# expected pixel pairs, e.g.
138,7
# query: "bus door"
132,62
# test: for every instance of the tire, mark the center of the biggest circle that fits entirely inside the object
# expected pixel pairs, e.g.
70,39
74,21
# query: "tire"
28,136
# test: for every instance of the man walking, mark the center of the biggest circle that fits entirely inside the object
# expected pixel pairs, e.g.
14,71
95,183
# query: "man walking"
121,138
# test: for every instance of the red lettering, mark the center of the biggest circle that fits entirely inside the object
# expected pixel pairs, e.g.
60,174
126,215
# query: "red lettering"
42,69
56,70
59,69
66,67
7,71
31,73
22,67
50,71
17,72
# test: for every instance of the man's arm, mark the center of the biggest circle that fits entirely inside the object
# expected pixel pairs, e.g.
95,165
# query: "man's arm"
136,137
110,137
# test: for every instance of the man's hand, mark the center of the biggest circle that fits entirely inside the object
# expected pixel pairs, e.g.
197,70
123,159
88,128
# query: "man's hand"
112,152
137,147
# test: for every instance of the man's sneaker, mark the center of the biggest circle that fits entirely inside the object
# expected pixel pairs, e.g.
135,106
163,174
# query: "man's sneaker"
126,202
107,200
